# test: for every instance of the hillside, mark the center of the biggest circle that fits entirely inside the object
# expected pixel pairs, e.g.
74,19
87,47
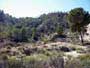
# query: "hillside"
31,29
53,40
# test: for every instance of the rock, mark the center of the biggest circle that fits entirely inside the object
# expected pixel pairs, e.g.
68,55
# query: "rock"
65,49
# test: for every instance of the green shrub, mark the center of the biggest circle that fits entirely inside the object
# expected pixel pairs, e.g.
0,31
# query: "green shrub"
73,63
36,57
85,60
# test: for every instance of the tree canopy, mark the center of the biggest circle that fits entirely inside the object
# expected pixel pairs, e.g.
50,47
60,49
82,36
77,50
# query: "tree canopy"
78,20
28,28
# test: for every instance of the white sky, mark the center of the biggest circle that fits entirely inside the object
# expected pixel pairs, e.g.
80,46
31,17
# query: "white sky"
34,8
23,8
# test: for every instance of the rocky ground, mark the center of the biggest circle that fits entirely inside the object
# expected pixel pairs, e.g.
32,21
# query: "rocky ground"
28,49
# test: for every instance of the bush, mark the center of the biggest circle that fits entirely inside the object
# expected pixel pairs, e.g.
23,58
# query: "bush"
56,62
65,49
34,61
73,63
85,60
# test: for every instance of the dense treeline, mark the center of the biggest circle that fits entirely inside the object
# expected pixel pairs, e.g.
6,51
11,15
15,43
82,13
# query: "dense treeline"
31,29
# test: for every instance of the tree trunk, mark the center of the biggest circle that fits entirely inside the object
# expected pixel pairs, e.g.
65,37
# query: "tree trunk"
81,36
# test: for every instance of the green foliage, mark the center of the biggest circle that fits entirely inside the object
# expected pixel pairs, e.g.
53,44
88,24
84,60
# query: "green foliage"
73,63
85,60
19,34
33,30
12,58
78,20
36,57
44,39
85,57
59,30
29,29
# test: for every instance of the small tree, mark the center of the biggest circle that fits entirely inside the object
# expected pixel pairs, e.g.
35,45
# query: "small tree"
78,20
59,30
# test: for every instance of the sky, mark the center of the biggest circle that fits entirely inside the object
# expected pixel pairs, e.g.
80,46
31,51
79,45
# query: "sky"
34,8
